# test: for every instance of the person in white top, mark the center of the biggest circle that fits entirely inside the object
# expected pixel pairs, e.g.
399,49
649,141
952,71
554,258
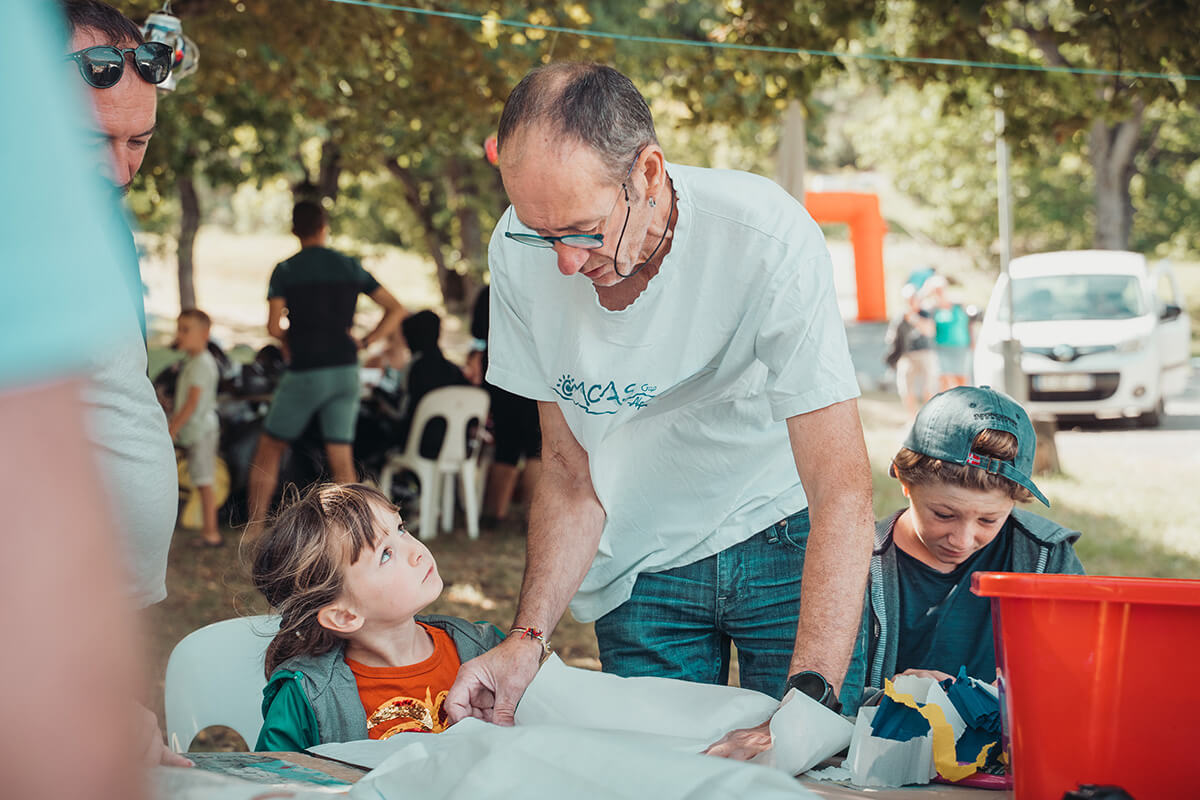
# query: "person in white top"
697,404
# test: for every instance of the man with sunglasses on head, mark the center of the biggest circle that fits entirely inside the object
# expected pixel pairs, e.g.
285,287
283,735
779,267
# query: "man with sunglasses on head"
127,427
679,328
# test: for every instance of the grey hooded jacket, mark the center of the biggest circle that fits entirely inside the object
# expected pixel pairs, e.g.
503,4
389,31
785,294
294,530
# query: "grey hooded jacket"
1039,545
332,692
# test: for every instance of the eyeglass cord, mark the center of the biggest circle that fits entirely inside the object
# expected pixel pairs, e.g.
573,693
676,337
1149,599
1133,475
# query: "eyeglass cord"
663,238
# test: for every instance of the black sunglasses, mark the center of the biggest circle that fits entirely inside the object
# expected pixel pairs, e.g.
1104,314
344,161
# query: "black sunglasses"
103,65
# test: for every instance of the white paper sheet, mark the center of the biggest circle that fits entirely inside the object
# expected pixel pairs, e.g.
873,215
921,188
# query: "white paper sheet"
803,734
474,760
695,713
581,733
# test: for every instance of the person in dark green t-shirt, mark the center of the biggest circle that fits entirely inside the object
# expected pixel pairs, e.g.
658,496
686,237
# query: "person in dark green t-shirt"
317,291
966,463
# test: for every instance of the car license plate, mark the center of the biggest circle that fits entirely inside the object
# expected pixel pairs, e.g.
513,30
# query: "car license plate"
1064,383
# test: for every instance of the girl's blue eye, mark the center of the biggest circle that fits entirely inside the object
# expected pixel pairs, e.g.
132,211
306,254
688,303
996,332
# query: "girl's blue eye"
386,555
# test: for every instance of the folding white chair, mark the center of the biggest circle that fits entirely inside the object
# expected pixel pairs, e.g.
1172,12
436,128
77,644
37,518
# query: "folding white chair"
215,677
458,406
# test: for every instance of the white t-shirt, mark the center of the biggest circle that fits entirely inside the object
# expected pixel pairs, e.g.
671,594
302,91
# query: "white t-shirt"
128,432
681,399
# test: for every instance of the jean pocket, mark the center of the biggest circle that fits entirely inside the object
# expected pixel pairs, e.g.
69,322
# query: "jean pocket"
792,532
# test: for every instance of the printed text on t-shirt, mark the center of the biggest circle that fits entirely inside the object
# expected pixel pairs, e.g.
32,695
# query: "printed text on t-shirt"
604,398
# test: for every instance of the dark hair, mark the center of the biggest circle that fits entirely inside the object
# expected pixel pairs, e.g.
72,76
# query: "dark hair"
197,315
421,331
116,28
589,103
917,469
299,564
308,218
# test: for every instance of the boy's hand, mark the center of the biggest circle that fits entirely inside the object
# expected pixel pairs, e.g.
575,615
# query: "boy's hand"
490,686
937,675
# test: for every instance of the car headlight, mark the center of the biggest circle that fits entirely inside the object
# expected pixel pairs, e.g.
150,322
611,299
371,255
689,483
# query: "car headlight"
1133,345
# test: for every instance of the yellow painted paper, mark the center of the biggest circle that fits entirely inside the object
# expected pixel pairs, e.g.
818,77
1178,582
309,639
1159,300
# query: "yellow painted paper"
944,757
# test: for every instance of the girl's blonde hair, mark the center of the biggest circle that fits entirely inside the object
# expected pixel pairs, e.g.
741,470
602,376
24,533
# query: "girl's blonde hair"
299,564
917,469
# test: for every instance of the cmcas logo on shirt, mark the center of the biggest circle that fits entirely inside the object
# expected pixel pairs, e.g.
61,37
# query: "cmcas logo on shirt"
604,398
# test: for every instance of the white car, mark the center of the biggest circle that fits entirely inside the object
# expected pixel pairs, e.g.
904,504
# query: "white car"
1102,334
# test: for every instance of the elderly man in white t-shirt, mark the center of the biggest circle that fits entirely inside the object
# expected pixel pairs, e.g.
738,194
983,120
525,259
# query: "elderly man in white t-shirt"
697,403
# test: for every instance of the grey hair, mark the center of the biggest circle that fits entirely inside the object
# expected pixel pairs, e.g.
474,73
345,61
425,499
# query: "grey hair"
589,103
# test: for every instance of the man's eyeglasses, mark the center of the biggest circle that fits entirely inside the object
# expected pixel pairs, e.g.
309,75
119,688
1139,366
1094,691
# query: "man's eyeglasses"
103,65
584,241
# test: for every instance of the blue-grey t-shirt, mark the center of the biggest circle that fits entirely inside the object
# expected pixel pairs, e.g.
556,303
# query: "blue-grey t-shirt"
944,626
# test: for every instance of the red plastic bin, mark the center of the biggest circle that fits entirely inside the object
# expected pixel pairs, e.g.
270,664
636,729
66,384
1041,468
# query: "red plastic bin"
1100,681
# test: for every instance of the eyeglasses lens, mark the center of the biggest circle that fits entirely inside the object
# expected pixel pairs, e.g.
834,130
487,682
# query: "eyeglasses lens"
153,61
102,67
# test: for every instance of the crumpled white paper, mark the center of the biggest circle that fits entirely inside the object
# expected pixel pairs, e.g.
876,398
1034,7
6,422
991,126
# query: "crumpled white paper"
873,761
803,734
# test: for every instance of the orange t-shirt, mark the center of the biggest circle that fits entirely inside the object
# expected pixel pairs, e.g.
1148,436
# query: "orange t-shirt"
402,699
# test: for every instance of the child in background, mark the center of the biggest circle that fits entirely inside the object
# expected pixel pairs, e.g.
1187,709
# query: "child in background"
194,425
351,659
966,462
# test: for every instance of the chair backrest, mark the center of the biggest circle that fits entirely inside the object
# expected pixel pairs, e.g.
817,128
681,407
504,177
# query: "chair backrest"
458,405
215,677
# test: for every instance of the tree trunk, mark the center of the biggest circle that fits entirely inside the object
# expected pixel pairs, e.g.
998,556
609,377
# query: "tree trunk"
792,157
469,233
331,169
189,202
449,281
1112,148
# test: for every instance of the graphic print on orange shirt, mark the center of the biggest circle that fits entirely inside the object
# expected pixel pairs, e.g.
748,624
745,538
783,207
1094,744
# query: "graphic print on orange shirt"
403,699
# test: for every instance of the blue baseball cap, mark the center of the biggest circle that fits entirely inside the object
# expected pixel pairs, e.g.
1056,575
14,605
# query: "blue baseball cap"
946,427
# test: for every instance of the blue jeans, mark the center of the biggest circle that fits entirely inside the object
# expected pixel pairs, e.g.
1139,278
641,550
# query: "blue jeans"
679,623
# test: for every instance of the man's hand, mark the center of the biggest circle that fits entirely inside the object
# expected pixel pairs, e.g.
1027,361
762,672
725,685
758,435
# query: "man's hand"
490,686
150,742
743,744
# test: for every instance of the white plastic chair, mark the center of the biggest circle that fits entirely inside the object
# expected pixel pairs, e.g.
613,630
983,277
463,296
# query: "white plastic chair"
458,405
215,677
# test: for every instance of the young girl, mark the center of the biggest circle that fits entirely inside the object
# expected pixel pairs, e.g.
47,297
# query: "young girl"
965,464
351,659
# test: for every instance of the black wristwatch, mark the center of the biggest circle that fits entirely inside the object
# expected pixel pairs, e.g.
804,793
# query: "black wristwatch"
815,686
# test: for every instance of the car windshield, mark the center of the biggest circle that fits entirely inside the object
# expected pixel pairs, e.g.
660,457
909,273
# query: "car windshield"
1073,297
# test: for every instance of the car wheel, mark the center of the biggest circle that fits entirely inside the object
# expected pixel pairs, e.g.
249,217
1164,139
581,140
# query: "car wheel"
1153,417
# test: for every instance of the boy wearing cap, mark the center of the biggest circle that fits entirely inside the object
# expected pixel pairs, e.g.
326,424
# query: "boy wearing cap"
966,462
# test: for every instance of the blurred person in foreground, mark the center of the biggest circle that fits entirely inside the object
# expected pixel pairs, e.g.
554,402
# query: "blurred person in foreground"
679,328
128,428
66,615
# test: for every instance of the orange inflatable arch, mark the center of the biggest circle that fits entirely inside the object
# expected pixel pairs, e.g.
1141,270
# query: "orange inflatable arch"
860,211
